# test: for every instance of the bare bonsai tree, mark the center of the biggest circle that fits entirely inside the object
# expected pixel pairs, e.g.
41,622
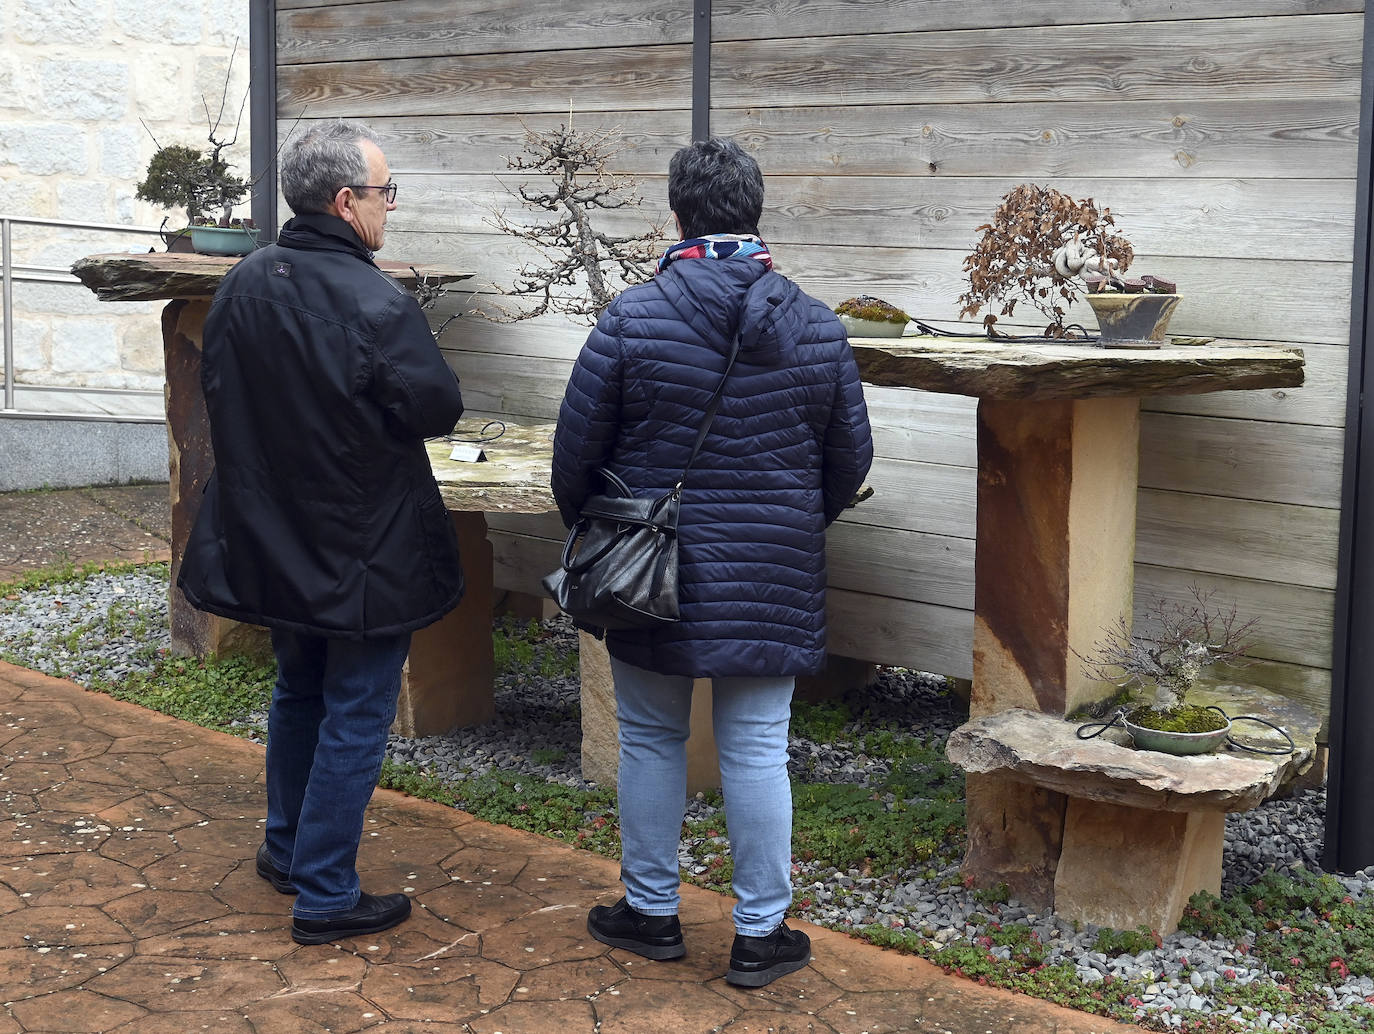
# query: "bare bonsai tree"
1038,240
1191,636
573,249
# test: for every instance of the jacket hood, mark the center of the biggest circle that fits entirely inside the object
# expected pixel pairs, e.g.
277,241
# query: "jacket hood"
719,296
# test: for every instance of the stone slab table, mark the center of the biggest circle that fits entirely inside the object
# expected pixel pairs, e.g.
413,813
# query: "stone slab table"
1142,830
1058,449
187,282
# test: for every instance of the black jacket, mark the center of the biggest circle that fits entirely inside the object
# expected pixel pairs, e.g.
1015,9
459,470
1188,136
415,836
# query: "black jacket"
322,380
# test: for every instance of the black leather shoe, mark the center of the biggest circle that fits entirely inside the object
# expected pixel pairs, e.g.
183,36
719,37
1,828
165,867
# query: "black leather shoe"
755,961
273,875
620,926
372,914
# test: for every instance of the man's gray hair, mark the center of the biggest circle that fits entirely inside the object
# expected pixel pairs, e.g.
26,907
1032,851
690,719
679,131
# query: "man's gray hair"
327,157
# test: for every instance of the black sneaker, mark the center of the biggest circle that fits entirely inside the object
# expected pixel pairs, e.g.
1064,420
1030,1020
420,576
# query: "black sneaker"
620,926
755,961
372,914
269,872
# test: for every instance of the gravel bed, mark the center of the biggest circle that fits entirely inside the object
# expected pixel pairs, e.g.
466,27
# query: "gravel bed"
536,730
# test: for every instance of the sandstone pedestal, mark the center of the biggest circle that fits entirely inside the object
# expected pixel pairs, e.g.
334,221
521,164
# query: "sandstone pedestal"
1105,833
600,730
1058,431
447,679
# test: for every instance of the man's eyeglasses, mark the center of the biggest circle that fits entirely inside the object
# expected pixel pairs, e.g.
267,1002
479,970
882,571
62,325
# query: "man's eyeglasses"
389,189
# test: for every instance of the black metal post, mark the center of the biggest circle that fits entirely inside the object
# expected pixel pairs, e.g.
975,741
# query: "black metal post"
701,70
262,112
1349,841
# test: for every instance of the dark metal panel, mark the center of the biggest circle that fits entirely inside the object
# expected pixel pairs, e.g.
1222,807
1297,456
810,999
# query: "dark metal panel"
262,111
1350,783
701,70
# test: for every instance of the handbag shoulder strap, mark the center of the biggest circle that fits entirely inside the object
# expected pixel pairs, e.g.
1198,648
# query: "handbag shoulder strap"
711,408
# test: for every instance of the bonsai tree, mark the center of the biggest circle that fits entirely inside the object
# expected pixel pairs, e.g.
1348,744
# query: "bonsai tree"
1158,671
1043,247
198,181
576,253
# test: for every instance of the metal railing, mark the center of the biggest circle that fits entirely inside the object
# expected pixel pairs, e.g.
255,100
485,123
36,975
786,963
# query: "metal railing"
48,275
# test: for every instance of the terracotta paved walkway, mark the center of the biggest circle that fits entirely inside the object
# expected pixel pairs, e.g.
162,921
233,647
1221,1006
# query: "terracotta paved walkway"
128,900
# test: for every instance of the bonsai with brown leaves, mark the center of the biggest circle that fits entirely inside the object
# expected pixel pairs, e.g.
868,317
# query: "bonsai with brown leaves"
1159,670
1044,247
582,267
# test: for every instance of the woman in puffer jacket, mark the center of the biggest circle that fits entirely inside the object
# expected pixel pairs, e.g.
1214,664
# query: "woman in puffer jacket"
788,449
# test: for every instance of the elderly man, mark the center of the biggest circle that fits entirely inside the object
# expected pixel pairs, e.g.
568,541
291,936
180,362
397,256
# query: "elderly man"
322,520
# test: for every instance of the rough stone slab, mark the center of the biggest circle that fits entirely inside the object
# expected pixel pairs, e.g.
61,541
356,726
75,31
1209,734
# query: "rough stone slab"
1044,750
137,278
1127,867
514,477
1021,370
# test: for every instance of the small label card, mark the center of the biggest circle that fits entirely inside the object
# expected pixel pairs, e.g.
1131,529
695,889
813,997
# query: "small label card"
468,453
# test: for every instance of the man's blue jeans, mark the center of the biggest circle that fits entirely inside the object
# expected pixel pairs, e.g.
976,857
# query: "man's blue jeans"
332,709
749,717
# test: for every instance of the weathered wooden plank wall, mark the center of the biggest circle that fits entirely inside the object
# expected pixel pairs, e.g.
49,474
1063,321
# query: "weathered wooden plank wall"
1221,132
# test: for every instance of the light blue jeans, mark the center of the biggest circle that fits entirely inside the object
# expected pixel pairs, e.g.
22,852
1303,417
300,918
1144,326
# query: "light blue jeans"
749,717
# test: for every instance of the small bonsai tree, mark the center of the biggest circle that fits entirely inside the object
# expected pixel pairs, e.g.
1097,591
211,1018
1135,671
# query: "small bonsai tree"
198,181
1041,239
575,251
1158,671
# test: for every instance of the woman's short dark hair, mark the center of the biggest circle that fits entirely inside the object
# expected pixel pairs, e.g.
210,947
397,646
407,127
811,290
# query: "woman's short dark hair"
715,186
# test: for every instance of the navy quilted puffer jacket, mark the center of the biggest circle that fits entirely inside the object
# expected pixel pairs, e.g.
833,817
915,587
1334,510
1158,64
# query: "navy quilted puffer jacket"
789,447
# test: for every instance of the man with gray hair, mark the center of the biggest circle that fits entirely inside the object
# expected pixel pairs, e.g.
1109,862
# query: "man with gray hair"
322,520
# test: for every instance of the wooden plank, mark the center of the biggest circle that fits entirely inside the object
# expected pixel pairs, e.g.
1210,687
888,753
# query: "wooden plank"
1244,58
1242,459
609,79
739,19
1293,622
1207,534
900,564
877,629
479,144
1164,218
1221,299
449,28
1250,219
1175,137
1320,400
900,632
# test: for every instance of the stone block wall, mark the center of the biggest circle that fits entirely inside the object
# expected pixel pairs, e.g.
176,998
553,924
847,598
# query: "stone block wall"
88,90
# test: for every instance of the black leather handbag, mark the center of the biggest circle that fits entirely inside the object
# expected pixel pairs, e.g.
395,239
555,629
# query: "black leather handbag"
619,567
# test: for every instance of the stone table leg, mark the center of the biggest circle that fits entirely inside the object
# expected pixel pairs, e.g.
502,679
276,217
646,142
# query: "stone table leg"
192,459
1127,867
1053,568
448,678
601,731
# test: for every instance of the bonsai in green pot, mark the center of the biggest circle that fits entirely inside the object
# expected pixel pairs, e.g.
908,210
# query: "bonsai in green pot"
200,183
1156,673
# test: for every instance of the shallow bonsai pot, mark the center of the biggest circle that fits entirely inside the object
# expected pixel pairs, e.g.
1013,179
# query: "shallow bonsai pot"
856,327
1176,742
223,240
1132,320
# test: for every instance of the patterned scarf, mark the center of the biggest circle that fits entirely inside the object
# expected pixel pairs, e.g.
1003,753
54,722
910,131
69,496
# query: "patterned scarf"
718,246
